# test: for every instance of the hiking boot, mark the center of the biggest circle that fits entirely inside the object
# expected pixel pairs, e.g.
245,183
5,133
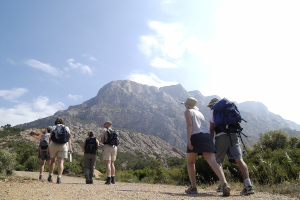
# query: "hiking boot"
40,177
191,190
108,181
113,180
219,188
91,181
247,190
226,190
87,180
50,179
58,181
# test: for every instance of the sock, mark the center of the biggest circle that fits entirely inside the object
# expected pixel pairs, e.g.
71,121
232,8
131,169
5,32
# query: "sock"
41,174
59,176
50,174
112,175
109,176
247,182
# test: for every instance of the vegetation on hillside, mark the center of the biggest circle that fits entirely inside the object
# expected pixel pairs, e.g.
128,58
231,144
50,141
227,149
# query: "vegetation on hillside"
274,159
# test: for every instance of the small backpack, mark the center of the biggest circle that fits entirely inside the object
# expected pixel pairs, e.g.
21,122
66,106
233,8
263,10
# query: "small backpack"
227,118
112,138
44,141
60,135
90,145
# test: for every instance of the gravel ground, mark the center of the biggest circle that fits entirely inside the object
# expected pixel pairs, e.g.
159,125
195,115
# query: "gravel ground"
75,188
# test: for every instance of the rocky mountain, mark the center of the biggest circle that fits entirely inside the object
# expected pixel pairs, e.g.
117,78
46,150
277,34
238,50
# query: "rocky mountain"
154,111
130,142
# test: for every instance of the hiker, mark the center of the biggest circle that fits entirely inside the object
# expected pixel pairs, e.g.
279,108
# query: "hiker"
228,144
90,147
199,142
60,144
109,154
42,150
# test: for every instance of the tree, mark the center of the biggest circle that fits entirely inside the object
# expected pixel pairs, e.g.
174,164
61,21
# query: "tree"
275,139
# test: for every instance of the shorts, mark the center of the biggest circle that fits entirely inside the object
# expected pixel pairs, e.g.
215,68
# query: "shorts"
44,156
202,142
58,150
224,147
109,152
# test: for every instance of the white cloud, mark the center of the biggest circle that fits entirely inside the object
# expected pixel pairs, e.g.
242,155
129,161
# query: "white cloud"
27,112
44,67
92,58
169,42
149,79
10,61
161,63
74,97
13,94
84,68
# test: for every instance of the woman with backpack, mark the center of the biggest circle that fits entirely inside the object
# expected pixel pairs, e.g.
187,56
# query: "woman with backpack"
42,151
90,147
199,142
60,144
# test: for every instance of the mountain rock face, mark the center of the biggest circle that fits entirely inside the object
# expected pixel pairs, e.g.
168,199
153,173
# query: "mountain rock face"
130,142
154,111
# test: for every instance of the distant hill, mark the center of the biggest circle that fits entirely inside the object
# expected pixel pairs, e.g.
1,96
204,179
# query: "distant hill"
156,111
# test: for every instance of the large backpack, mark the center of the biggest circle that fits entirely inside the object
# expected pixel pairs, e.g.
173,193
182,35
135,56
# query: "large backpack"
60,135
44,140
227,118
90,145
112,138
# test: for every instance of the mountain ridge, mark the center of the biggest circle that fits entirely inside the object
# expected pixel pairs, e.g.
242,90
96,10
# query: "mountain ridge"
154,111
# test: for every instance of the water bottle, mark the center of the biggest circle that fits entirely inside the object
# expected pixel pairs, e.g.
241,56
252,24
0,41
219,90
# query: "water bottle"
70,156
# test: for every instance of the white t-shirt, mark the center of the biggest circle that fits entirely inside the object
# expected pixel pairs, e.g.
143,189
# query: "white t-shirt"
198,121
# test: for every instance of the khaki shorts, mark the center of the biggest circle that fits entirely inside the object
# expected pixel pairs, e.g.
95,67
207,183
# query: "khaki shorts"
58,150
109,152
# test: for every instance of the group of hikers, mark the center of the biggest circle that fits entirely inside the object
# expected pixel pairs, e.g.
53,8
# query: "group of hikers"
56,143
214,143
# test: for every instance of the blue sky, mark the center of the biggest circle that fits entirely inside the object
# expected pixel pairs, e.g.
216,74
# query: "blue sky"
54,54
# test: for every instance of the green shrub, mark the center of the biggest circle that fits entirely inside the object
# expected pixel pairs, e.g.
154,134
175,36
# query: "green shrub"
72,168
32,164
7,160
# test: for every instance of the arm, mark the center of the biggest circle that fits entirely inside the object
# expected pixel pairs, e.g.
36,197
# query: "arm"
39,150
189,126
70,144
97,144
49,143
212,129
83,147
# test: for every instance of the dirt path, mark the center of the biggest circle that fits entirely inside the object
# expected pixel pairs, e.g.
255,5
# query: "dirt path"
75,188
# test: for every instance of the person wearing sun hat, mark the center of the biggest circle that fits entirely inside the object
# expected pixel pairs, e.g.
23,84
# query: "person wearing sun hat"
199,142
229,146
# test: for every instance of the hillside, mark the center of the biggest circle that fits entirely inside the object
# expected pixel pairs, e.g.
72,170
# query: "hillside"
155,111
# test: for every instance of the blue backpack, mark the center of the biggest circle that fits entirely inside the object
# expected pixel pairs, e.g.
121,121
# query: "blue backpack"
227,118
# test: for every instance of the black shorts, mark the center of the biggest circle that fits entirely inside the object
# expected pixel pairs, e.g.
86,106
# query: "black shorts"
202,142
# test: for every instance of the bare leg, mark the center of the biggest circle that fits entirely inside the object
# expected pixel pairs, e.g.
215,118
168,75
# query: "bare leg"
211,160
60,166
112,168
243,167
108,167
42,166
51,167
191,159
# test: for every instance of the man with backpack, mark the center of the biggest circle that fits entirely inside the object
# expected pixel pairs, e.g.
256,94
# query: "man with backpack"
42,151
60,144
110,140
222,117
90,147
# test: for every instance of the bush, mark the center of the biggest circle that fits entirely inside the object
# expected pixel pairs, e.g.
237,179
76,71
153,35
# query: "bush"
7,160
72,168
32,164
